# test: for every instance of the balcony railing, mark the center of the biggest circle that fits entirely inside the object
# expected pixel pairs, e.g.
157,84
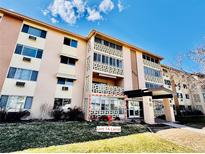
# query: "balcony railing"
153,79
106,68
151,64
114,113
107,89
107,49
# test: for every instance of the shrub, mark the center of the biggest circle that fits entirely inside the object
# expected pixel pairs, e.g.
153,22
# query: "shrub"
2,115
57,114
75,114
117,118
6,116
103,118
190,113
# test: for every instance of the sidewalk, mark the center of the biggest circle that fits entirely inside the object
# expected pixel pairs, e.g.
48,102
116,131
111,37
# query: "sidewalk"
184,127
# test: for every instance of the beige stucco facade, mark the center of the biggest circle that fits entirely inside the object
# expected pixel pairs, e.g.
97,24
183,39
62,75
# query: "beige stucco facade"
102,68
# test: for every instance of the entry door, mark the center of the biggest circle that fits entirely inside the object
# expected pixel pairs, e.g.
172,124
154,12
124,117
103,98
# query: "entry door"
134,109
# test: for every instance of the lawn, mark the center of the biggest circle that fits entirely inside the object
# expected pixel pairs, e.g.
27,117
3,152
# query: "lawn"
144,142
21,136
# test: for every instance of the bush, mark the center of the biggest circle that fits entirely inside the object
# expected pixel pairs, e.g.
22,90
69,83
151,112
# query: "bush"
57,114
117,118
103,118
2,115
190,113
6,116
75,114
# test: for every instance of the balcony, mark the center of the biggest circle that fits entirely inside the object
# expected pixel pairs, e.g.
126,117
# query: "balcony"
151,64
108,50
108,69
107,89
153,79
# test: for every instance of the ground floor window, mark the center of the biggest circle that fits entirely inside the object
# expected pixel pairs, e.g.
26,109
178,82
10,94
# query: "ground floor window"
15,102
199,107
62,103
102,105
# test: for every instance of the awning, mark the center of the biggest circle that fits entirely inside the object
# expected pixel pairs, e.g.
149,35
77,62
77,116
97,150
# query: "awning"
156,93
67,76
68,55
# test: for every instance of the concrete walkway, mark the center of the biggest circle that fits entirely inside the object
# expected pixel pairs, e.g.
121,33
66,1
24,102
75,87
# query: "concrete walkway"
202,131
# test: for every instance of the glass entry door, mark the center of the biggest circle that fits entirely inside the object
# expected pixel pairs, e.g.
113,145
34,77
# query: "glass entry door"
133,109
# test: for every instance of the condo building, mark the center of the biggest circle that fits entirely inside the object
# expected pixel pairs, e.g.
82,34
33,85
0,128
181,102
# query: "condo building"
43,67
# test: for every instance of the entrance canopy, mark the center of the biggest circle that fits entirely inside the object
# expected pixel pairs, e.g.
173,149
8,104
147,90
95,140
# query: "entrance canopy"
156,93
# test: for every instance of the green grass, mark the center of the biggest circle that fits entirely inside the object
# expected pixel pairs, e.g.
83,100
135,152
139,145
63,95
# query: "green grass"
21,136
145,142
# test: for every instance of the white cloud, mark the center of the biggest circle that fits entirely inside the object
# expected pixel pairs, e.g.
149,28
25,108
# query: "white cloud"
45,12
93,15
80,5
120,6
53,20
106,5
72,10
64,9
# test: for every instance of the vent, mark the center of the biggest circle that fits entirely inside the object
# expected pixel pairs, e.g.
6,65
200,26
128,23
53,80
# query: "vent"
20,84
65,88
32,37
26,59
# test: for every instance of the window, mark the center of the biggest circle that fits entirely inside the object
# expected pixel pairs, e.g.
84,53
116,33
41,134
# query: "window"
112,45
151,72
167,82
184,86
151,85
98,40
22,74
187,96
70,42
154,60
64,81
189,107
98,57
95,57
106,43
16,102
28,51
34,31
103,59
60,102
28,103
182,107
203,95
110,61
119,47
107,60
67,60
109,44
196,98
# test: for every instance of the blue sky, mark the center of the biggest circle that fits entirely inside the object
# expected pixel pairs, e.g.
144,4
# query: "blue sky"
164,27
